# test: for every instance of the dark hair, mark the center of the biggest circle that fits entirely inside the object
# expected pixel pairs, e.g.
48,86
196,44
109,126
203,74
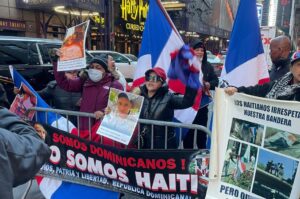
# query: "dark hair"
200,44
123,95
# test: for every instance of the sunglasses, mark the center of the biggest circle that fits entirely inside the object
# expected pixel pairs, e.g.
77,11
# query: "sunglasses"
153,78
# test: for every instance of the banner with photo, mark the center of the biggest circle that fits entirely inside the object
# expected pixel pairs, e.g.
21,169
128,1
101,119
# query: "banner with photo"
145,173
257,142
123,114
24,100
73,48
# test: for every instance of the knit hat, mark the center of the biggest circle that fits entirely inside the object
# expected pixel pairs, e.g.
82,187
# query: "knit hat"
295,57
159,72
102,62
197,43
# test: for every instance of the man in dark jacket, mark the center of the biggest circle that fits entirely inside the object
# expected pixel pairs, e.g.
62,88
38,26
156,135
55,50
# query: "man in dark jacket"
285,88
280,49
210,81
159,104
22,152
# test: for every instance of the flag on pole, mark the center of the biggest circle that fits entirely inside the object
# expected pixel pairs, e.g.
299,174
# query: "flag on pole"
245,63
52,188
160,39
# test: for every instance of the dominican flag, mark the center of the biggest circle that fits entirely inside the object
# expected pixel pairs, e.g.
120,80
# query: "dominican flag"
160,39
52,188
245,63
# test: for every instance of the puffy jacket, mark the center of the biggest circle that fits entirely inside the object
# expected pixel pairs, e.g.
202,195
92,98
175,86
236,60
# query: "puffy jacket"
59,98
161,107
94,94
22,152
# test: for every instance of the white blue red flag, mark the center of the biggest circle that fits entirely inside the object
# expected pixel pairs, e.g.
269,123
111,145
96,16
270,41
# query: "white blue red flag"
245,63
160,39
52,188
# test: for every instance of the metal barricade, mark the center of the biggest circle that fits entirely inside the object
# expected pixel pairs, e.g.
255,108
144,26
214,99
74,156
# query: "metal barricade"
152,123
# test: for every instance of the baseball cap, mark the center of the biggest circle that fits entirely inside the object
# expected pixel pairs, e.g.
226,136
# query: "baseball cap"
159,72
295,57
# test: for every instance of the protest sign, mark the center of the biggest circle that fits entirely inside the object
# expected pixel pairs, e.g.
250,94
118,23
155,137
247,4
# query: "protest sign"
120,123
73,48
24,100
146,173
258,148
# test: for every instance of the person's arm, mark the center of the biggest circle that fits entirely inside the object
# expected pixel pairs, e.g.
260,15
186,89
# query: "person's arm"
186,101
257,90
71,85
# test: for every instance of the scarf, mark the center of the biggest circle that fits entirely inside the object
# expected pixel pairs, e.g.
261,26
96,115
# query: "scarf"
282,87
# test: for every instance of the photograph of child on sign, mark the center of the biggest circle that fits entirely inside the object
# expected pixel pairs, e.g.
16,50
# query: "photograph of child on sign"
24,100
73,44
121,116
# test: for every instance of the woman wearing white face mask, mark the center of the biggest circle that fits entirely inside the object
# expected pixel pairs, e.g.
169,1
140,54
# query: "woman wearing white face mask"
94,88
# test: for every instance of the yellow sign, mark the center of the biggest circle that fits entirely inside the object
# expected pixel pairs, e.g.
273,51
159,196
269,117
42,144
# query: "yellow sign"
134,13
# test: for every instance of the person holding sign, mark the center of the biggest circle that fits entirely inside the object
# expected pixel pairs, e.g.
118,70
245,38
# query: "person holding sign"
285,88
159,104
94,87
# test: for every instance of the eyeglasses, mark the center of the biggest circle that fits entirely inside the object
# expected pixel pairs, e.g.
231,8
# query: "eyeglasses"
153,78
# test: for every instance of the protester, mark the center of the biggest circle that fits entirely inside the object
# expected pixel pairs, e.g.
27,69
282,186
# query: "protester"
58,98
159,104
95,90
280,48
3,97
285,88
22,152
113,69
210,81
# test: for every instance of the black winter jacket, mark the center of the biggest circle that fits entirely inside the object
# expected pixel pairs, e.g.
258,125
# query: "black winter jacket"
279,69
161,107
209,75
59,98
22,152
263,90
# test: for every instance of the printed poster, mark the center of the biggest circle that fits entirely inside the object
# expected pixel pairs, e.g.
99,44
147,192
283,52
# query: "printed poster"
156,174
124,111
256,149
24,100
73,48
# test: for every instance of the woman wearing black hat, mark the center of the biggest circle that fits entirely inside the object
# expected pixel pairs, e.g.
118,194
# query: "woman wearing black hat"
94,88
210,81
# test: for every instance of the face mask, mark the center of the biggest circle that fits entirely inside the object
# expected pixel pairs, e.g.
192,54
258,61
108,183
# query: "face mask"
95,75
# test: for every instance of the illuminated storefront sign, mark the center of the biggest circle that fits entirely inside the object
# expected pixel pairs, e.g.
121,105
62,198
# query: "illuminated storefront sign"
91,5
134,13
8,24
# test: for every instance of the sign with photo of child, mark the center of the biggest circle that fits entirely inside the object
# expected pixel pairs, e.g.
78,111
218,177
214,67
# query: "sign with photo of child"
73,48
122,114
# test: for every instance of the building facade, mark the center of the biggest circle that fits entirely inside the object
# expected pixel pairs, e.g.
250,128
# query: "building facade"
117,24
